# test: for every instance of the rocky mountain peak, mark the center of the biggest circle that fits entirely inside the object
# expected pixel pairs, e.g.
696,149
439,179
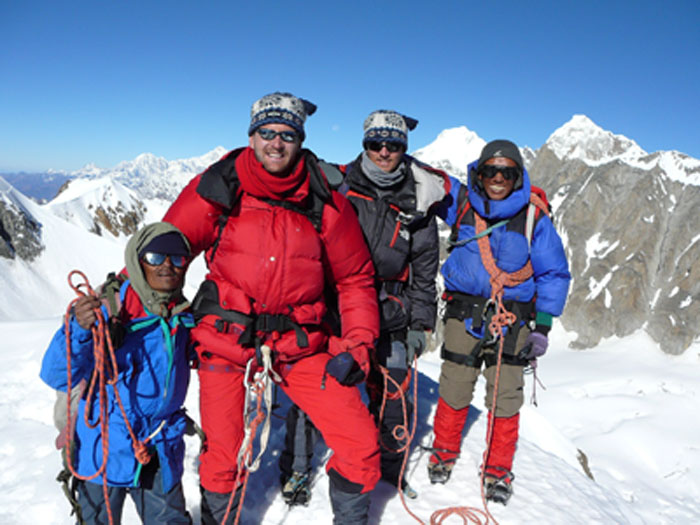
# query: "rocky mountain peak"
20,231
582,139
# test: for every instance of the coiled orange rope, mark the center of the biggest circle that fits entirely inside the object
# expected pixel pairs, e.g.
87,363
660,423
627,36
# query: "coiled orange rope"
105,373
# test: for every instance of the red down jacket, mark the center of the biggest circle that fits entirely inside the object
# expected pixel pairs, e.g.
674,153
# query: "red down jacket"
272,260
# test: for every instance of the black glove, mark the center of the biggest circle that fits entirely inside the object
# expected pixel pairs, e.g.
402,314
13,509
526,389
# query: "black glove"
345,369
415,344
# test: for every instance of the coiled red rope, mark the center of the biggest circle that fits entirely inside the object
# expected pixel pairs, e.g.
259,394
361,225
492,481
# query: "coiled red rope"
105,373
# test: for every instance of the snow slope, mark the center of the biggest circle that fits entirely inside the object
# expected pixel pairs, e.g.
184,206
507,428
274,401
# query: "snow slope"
629,407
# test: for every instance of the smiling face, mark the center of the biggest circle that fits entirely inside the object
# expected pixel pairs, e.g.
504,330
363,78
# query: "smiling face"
276,156
498,188
386,160
165,277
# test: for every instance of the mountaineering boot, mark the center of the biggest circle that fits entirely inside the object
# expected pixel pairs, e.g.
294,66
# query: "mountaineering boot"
392,479
350,505
498,489
296,489
214,506
439,471
408,490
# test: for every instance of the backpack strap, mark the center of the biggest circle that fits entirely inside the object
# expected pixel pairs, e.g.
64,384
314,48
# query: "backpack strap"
463,206
220,184
538,203
111,295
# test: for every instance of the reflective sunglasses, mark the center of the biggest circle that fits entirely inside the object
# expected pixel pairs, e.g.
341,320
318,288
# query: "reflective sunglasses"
156,259
270,134
509,173
392,147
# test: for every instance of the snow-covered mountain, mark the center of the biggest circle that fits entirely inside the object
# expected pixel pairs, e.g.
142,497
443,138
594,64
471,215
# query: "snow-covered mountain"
99,205
154,177
452,150
38,252
627,218
20,231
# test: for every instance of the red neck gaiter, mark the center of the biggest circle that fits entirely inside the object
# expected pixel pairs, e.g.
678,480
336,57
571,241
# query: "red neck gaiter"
259,182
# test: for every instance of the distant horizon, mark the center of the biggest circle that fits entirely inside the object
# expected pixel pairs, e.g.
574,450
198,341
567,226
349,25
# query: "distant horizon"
68,172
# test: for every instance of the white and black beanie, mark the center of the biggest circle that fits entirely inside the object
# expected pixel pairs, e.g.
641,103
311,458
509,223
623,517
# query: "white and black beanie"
388,126
280,108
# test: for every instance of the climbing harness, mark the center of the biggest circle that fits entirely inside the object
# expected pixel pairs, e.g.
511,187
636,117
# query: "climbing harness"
500,319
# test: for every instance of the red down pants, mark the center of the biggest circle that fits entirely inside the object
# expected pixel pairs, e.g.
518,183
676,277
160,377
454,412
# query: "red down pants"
337,412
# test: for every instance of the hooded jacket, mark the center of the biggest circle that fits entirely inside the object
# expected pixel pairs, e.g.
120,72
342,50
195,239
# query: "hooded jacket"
464,272
153,377
266,256
400,229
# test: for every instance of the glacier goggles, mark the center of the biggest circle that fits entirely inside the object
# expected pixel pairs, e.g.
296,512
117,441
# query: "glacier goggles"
508,172
391,147
270,134
156,259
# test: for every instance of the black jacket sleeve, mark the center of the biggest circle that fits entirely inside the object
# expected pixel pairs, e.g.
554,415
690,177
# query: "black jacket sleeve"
425,259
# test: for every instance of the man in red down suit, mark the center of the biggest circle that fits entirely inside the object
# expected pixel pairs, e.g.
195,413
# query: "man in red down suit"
275,235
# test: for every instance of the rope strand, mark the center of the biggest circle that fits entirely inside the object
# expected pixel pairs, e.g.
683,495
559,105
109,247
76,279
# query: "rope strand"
105,373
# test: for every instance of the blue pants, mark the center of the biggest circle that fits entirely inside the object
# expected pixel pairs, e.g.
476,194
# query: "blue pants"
153,506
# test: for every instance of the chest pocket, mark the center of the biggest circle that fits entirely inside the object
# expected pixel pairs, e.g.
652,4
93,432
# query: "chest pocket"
387,234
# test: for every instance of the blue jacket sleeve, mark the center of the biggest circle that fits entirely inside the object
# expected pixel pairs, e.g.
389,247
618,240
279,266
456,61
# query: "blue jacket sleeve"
550,268
54,366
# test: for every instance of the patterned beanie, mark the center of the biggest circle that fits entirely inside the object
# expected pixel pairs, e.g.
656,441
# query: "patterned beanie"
388,126
280,108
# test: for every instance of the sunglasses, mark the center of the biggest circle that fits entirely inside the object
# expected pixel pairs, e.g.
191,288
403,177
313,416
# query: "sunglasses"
392,147
509,173
270,134
156,259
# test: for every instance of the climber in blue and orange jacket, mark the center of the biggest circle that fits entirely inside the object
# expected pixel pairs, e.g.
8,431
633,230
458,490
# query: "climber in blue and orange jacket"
498,192
153,375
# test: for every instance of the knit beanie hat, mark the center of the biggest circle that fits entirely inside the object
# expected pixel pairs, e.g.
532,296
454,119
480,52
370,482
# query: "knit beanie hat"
170,243
388,126
280,108
500,148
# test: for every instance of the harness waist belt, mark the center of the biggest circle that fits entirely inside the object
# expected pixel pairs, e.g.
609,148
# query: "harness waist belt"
206,302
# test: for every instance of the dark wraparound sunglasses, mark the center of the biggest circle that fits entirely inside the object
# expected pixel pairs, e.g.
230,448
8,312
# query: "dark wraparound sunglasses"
270,134
392,147
509,173
156,259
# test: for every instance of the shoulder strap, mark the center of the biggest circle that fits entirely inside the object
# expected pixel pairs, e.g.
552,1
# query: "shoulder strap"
110,293
334,176
220,184
538,202
111,297
463,206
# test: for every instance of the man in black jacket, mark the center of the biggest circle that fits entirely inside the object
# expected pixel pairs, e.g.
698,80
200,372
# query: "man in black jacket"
394,196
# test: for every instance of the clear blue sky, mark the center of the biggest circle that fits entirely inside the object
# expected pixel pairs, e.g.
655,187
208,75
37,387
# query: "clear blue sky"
103,81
